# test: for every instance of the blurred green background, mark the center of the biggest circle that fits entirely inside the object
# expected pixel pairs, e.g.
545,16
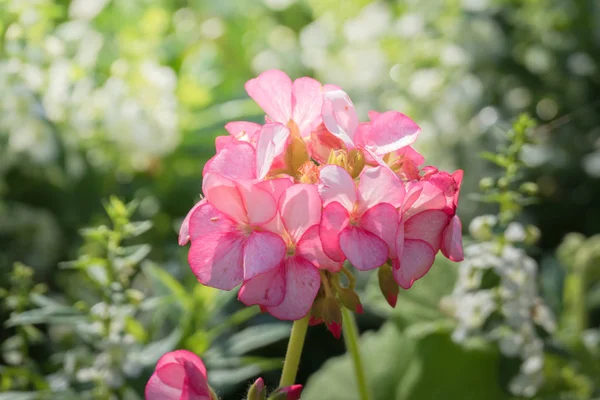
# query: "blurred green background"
125,97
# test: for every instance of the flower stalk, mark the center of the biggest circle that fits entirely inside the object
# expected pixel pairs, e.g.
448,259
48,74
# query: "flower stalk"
294,352
351,339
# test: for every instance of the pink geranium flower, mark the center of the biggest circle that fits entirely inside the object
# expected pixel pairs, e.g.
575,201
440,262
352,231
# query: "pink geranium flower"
386,133
429,223
288,291
179,375
284,101
360,220
228,244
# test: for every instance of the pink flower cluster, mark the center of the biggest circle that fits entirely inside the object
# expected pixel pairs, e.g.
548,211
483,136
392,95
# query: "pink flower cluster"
288,202
181,375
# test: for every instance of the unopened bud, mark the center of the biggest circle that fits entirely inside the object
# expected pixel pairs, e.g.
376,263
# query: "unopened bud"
328,310
350,300
257,391
529,188
387,284
287,393
296,153
503,183
356,163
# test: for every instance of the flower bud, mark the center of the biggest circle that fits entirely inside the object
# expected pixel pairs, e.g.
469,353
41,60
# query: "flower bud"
296,153
287,393
356,163
328,310
257,391
486,183
388,284
532,235
350,300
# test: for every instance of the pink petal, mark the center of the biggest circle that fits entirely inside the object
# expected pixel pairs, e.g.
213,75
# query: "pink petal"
236,161
272,142
266,290
223,194
216,260
302,282
391,131
182,356
321,143
263,251
364,249
336,184
157,390
222,142
300,208
427,226
272,90
452,240
399,244
307,102
243,130
373,114
417,259
339,116
205,219
333,220
382,220
259,204
310,248
276,187
184,235
379,185
458,177
413,192
431,198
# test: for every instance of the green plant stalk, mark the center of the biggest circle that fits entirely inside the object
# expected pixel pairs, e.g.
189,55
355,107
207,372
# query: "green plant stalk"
350,333
294,352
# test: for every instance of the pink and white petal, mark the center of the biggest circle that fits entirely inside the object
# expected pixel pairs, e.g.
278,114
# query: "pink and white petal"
300,208
452,240
427,226
263,251
382,220
243,129
266,289
272,90
158,390
222,142
235,161
276,186
307,102
336,184
334,219
431,198
363,249
413,192
206,220
373,114
328,87
272,142
184,229
217,260
391,131
417,259
223,194
302,282
310,248
182,357
339,116
399,244
379,185
259,204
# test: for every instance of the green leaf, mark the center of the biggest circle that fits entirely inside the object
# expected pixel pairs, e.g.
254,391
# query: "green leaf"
256,337
50,315
136,329
163,280
20,396
430,367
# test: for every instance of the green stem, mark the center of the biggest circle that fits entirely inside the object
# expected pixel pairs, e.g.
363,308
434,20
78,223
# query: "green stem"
351,338
294,351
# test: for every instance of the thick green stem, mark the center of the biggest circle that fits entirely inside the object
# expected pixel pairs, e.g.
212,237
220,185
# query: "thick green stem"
294,351
351,338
